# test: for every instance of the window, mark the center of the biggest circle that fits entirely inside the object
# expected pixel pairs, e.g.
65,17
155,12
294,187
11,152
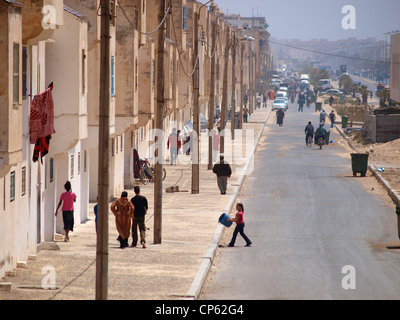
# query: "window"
84,161
51,169
83,71
79,163
184,17
24,76
112,147
12,186
113,11
136,75
122,142
72,166
154,73
112,77
16,74
116,145
23,181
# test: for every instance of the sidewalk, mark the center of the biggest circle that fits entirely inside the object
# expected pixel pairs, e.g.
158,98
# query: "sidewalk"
173,270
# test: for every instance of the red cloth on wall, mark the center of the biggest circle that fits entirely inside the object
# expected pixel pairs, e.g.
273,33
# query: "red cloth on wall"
41,121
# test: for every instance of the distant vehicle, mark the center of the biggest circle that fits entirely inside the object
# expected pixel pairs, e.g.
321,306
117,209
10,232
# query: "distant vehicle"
324,84
280,104
282,95
284,89
305,77
332,91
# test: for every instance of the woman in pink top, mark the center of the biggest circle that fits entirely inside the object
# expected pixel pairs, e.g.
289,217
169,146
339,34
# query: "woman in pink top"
67,199
239,226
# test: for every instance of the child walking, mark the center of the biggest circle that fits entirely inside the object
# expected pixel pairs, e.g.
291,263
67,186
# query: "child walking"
239,226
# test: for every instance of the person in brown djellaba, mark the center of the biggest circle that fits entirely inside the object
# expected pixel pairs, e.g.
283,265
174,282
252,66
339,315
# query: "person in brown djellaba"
123,211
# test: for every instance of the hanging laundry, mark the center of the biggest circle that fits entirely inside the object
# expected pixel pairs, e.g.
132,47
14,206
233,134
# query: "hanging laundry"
41,122
41,148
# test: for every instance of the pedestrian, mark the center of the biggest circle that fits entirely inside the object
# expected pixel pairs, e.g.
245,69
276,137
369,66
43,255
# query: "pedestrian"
332,117
172,145
259,101
239,226
179,143
264,101
218,123
246,99
215,145
95,209
331,100
223,171
141,207
309,131
67,200
123,211
322,116
280,114
245,114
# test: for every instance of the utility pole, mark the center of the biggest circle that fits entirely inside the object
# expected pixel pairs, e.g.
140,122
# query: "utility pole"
211,105
196,108
251,83
224,92
233,97
104,151
241,85
159,126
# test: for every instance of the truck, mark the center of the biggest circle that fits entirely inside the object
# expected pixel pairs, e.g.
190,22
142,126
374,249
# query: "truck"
305,77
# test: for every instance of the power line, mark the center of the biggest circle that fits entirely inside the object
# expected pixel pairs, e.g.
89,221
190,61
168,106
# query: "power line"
332,54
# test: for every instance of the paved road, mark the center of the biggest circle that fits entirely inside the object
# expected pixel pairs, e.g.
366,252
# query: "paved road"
307,218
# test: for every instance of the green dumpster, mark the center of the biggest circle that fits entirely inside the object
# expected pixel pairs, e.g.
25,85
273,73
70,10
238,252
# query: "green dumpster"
359,163
318,106
345,120
327,135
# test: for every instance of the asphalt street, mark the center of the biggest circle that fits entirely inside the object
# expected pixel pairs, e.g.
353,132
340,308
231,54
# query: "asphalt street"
316,232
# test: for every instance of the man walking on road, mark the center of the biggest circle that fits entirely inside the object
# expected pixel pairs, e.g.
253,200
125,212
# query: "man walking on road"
141,207
223,171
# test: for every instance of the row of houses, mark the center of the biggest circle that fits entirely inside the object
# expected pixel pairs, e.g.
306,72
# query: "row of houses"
57,42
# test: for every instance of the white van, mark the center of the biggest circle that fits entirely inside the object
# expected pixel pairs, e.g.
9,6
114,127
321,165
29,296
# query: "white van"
324,84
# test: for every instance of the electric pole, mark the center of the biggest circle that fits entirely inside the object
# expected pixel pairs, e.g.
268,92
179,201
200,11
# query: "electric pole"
241,84
251,82
211,105
224,92
196,109
233,96
104,151
159,126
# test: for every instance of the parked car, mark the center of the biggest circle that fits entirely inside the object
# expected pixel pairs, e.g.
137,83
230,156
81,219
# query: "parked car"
280,104
332,91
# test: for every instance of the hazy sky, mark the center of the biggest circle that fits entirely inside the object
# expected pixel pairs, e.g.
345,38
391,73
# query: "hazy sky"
315,19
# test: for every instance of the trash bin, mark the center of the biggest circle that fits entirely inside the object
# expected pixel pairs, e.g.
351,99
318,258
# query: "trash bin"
345,120
318,106
359,163
327,135
223,219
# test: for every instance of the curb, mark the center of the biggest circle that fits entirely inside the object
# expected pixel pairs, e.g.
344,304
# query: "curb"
201,276
392,194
